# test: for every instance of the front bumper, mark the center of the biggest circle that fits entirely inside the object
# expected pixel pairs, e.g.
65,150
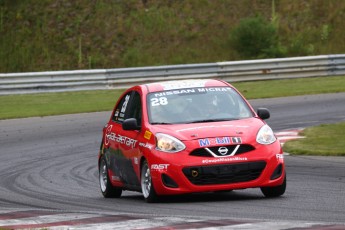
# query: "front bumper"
182,173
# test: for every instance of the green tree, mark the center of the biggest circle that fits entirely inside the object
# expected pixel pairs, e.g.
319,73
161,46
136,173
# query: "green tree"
256,38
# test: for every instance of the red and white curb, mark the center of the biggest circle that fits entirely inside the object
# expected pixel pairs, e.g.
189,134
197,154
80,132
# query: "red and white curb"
40,219
287,135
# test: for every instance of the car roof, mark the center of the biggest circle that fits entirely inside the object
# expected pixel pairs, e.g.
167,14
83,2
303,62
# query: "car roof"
181,84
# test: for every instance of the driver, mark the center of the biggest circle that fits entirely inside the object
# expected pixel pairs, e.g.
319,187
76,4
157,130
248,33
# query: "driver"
211,106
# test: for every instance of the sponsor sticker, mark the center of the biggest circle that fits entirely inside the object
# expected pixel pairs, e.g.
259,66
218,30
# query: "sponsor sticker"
159,167
125,103
227,159
116,113
191,91
147,135
236,140
219,141
111,136
214,141
175,92
183,84
145,145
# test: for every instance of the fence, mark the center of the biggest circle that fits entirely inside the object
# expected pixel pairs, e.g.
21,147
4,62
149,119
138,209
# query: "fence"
265,69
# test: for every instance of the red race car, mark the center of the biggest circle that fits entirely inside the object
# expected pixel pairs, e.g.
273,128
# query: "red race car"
188,136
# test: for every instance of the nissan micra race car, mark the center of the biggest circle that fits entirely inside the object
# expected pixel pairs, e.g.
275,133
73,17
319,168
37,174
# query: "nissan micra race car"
188,136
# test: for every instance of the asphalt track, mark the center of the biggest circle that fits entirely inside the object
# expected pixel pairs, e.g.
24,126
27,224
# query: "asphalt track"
48,165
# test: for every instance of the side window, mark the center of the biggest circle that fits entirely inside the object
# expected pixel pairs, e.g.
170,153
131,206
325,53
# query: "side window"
122,108
135,110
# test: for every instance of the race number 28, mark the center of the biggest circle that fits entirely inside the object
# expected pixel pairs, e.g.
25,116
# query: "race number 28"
159,101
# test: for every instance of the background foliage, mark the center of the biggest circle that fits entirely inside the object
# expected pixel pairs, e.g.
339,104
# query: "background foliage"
63,34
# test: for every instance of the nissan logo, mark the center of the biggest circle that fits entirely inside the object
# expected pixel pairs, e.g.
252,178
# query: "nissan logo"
223,151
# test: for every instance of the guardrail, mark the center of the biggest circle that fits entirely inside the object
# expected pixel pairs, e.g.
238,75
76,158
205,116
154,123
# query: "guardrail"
265,69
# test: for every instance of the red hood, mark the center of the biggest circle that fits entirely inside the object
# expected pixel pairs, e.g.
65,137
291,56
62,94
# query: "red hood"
243,128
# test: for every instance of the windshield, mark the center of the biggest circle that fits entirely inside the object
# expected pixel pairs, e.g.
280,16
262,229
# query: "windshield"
193,105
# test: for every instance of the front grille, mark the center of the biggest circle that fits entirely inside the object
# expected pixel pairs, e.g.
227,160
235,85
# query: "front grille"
202,152
225,173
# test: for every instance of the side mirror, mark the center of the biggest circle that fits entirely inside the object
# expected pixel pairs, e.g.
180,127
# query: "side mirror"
130,124
263,113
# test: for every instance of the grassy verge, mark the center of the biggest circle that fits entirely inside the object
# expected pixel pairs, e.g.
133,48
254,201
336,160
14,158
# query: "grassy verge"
326,140
291,87
47,104
20,106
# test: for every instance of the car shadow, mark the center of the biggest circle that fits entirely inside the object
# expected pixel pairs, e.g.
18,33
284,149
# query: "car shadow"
238,195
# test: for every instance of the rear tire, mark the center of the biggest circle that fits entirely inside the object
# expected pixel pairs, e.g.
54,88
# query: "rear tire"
274,191
147,188
107,189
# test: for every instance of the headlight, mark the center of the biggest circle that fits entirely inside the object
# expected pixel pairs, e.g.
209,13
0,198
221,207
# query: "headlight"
265,136
167,143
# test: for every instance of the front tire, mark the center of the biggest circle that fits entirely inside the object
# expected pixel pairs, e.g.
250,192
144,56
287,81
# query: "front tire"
274,191
107,189
147,188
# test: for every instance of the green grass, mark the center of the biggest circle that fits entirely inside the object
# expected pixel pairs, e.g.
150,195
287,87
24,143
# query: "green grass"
48,35
326,140
291,87
30,105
